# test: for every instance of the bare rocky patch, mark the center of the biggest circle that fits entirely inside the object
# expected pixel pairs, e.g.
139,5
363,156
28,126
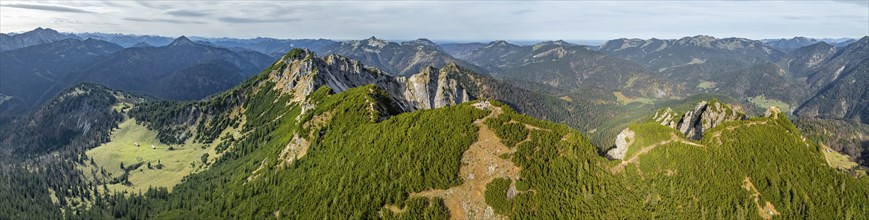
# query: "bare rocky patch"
766,211
482,163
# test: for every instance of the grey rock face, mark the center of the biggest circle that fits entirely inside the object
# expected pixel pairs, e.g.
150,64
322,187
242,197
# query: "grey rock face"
430,88
623,141
704,117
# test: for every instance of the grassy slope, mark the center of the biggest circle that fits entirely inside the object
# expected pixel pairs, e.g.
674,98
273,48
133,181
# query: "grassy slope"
765,103
122,149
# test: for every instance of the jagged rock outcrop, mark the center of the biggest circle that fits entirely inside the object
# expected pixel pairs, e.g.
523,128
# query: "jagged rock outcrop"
772,112
693,123
623,141
302,73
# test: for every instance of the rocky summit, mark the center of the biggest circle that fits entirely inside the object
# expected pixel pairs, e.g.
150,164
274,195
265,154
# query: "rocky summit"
693,123
302,72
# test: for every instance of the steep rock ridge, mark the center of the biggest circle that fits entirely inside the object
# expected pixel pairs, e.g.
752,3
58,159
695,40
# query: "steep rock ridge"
302,73
693,123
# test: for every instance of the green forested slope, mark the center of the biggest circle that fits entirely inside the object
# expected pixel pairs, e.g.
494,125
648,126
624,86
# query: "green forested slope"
354,165
683,179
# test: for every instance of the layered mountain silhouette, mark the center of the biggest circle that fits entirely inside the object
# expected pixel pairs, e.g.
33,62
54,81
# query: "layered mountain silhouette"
400,59
181,70
30,38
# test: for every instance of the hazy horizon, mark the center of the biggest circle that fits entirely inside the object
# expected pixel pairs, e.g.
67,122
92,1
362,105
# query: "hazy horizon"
591,42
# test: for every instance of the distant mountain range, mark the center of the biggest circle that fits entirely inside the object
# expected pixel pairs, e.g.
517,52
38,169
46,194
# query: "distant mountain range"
151,70
269,46
400,59
30,38
182,69
32,74
567,67
599,90
327,136
788,45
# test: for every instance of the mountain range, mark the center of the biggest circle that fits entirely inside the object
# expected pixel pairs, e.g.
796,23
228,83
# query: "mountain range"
358,150
30,38
400,59
788,45
216,128
181,70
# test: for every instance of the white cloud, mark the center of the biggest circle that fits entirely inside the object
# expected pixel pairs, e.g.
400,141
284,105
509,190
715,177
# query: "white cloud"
450,20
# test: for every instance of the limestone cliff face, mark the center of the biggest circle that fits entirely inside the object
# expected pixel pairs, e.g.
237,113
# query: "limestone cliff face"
693,123
623,141
301,73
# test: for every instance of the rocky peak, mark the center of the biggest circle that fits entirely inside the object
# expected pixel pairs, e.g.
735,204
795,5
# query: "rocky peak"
182,41
375,42
772,112
693,123
301,72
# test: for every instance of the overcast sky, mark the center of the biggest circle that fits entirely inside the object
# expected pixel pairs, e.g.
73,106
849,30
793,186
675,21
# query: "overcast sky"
450,20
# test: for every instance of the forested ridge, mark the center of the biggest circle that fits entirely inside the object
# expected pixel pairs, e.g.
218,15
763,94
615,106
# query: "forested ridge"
355,154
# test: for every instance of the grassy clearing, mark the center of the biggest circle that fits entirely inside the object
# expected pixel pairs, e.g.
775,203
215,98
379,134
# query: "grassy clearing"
182,161
628,100
706,85
647,134
837,160
765,103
